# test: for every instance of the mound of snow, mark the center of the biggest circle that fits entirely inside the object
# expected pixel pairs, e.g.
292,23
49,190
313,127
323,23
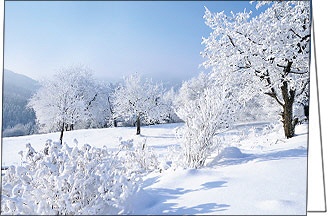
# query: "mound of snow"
231,152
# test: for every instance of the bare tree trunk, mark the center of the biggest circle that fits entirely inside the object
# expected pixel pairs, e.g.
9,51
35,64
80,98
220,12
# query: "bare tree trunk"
62,133
288,96
287,115
306,111
288,123
138,124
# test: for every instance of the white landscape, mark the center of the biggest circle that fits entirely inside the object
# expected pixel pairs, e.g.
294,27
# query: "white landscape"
230,140
268,176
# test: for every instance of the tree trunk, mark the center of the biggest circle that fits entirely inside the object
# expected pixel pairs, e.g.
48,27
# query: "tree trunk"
288,123
287,115
138,124
306,111
62,133
288,96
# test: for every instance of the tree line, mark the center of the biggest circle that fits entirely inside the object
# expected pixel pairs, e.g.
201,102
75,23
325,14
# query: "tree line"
73,99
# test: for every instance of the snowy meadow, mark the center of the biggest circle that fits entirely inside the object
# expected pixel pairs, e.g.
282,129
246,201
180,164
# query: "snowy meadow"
231,140
255,171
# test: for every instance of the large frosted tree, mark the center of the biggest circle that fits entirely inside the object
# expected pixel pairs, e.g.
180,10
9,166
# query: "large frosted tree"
65,100
269,52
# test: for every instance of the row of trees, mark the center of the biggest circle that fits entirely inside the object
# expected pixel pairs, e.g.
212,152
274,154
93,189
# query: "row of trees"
73,99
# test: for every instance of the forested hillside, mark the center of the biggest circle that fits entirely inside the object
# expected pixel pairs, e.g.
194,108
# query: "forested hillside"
17,120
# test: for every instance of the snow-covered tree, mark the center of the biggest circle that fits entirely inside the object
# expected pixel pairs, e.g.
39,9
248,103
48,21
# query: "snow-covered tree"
206,106
65,101
139,100
259,108
273,47
169,98
101,109
192,89
112,120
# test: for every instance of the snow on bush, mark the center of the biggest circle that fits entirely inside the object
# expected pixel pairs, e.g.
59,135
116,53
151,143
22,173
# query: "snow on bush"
260,136
174,159
140,158
207,106
202,121
73,180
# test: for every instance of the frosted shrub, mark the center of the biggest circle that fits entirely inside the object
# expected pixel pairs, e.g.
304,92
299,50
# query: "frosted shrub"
65,180
174,158
207,105
203,116
146,157
140,157
197,139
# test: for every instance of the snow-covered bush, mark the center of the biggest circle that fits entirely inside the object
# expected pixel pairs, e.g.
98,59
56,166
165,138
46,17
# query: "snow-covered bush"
174,158
258,137
205,108
140,157
251,135
198,133
65,180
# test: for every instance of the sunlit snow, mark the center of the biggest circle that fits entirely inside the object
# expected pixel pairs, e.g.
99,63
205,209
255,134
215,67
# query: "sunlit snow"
254,172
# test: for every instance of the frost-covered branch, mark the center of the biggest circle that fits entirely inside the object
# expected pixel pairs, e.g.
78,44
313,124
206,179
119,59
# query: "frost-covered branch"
273,46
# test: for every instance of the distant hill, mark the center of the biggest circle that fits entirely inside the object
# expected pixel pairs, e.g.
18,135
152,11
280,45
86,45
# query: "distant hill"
17,120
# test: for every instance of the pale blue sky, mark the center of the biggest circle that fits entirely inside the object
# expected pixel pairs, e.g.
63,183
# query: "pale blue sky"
160,39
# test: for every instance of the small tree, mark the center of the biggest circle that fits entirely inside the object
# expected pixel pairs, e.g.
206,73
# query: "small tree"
64,101
140,100
112,121
272,47
169,98
101,109
205,106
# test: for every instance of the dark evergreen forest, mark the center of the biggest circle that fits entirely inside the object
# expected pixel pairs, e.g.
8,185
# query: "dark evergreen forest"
17,120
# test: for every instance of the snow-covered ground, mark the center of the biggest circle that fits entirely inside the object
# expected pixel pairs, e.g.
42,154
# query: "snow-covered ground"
255,171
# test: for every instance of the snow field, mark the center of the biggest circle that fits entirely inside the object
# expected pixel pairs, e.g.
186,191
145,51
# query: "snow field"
256,171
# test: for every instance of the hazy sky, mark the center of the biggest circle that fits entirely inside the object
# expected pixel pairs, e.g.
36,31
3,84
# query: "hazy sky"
160,39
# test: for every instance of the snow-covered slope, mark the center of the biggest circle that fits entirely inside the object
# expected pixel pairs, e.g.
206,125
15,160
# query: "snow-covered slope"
256,171
159,136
